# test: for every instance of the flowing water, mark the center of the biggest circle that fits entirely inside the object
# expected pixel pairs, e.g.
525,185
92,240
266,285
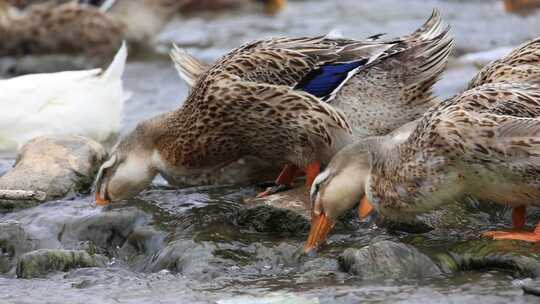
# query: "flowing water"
226,258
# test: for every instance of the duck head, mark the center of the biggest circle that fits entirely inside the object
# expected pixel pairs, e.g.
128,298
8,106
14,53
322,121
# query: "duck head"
129,169
337,190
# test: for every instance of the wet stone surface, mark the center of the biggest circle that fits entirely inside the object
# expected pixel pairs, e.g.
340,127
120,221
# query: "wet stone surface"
387,259
41,262
55,165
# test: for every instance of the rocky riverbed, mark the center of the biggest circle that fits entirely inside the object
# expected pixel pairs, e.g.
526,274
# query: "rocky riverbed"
207,244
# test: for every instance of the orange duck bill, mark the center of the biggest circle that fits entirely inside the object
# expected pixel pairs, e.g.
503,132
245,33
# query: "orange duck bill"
365,209
101,200
320,227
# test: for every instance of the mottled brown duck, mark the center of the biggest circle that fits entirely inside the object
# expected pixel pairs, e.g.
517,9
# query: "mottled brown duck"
484,143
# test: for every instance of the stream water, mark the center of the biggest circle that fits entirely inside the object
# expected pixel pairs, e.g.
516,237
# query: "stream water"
226,258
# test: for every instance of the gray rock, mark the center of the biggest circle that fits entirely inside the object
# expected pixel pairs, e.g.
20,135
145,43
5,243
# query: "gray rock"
55,165
106,230
41,262
246,170
519,258
189,258
270,219
14,241
388,259
296,200
143,242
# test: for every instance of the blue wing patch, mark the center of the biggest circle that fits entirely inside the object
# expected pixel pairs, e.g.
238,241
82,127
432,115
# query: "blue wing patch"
324,80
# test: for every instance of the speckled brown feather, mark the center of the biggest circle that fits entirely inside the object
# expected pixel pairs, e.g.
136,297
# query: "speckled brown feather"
484,143
225,118
521,65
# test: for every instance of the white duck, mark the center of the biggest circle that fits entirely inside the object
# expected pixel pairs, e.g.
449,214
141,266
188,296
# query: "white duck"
87,103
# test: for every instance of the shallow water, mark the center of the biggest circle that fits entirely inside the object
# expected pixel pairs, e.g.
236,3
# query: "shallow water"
248,263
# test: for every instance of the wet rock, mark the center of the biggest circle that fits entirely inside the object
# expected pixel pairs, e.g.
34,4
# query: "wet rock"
189,258
14,241
296,200
520,258
143,242
41,262
284,212
270,219
531,287
388,259
246,170
106,231
55,165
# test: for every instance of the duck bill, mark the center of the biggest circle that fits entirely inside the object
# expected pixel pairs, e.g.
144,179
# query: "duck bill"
100,200
320,227
365,209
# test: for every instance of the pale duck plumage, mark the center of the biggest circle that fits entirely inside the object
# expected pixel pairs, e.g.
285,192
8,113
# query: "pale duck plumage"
87,103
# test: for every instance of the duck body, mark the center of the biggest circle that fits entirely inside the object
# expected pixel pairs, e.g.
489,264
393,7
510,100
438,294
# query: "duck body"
481,143
67,28
484,143
54,27
87,103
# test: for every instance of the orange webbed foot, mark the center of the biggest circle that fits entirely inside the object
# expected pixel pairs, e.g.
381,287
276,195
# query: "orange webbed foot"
518,222
283,182
532,237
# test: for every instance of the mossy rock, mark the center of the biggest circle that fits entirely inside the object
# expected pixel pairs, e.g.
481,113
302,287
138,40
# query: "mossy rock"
521,259
41,262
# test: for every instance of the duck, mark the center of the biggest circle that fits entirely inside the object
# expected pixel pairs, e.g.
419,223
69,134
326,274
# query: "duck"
79,28
288,100
269,7
87,103
482,143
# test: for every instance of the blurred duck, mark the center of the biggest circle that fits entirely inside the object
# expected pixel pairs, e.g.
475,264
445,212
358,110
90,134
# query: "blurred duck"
483,143
87,103
270,7
75,28
521,7
281,99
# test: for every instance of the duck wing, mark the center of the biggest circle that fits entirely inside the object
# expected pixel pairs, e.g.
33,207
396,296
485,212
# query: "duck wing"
521,65
491,123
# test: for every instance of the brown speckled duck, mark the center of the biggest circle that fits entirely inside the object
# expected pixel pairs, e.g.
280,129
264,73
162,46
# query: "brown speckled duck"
74,28
483,143
282,99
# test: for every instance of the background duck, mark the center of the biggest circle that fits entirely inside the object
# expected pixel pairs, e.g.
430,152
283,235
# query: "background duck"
274,99
87,103
73,28
482,143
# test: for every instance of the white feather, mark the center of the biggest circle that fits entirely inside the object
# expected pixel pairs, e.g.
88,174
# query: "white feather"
87,103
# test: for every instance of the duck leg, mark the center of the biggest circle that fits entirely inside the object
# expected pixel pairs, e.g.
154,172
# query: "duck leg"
283,181
517,233
312,170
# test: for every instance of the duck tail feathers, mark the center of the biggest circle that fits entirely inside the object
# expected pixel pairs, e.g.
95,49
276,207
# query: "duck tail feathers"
189,68
116,69
432,28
